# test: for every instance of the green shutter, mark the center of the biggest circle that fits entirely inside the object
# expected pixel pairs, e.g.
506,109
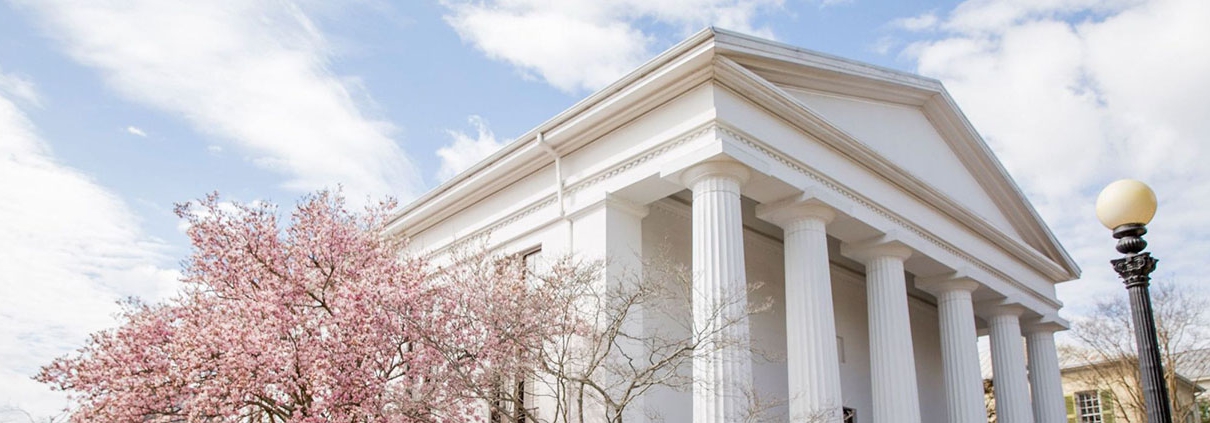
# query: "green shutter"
1071,409
1107,413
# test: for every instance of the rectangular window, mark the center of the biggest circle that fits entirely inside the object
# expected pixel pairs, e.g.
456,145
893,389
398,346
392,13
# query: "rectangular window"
532,261
511,399
850,415
840,349
1088,407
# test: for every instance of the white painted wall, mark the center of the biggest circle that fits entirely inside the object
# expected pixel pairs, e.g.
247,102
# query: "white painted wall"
926,339
852,323
765,267
666,237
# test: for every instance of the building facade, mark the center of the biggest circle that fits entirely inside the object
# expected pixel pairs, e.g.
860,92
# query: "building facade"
1108,392
887,234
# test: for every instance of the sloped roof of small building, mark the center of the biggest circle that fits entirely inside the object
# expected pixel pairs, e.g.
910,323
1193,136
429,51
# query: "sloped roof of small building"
1194,364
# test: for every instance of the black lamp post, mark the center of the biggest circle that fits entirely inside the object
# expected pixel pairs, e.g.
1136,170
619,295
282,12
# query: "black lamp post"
1126,206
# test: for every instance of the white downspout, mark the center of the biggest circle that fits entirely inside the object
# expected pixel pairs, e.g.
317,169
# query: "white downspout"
541,139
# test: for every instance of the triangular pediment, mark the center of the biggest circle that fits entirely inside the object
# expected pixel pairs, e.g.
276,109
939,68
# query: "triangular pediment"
904,135
905,127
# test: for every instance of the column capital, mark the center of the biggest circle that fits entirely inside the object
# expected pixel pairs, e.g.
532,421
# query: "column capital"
945,283
1000,308
880,247
786,213
1043,326
719,168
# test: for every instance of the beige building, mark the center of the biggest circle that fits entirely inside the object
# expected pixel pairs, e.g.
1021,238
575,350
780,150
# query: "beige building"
1100,393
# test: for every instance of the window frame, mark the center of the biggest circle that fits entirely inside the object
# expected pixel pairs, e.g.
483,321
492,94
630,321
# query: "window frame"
1088,407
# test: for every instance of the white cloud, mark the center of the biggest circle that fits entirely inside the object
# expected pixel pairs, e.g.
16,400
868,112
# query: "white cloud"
19,88
467,150
253,72
884,44
134,130
1074,94
69,249
830,3
577,45
920,22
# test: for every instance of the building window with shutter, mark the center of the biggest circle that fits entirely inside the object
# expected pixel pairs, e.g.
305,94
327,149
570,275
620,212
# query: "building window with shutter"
1088,407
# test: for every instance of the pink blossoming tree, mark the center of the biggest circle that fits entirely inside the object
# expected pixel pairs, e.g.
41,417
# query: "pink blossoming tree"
319,319
323,318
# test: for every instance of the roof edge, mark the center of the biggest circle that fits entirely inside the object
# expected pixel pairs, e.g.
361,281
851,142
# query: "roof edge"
595,99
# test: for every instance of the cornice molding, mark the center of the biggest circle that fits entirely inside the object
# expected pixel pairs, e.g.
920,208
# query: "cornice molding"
790,60
484,234
548,200
885,213
684,211
641,158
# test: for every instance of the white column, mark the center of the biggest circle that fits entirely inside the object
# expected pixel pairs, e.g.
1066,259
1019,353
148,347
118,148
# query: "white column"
812,363
1008,366
892,363
1044,379
959,350
723,372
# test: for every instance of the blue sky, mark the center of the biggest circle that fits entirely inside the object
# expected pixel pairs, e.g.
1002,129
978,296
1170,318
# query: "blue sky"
110,112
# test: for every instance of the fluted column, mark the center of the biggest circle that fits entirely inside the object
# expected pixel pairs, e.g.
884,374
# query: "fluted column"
812,363
1008,366
892,360
959,349
1045,383
723,371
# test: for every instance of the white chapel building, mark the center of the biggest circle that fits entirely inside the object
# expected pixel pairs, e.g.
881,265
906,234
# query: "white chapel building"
884,228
